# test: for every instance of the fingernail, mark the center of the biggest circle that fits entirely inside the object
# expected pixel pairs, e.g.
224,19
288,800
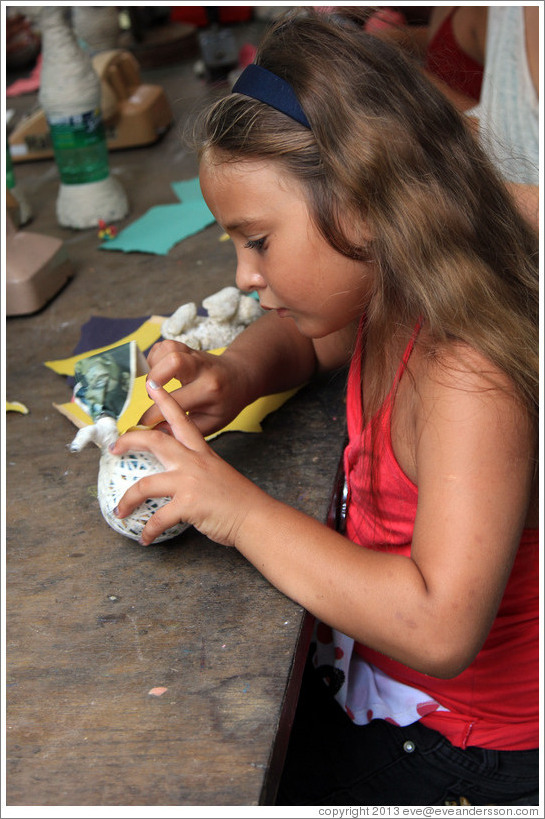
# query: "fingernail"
111,446
116,511
152,384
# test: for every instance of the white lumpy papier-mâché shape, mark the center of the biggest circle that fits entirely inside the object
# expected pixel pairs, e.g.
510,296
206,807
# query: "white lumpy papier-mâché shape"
116,473
229,312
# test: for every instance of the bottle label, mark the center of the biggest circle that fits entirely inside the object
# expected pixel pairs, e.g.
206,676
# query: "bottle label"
79,145
10,176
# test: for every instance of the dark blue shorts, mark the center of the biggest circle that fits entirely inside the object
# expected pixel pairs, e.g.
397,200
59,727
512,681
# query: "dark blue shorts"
332,761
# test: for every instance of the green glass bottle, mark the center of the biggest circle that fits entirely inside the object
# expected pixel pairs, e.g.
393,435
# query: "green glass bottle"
19,208
70,95
79,145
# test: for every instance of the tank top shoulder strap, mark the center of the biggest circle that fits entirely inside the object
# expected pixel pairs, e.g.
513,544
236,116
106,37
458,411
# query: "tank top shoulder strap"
407,354
354,397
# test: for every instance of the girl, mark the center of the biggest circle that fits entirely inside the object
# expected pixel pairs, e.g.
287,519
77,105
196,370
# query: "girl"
375,231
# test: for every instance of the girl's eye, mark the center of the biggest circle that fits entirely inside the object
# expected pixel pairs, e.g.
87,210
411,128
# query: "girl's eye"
256,244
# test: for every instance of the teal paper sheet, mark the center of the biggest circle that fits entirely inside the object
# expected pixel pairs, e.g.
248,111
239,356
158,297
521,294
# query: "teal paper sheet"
163,226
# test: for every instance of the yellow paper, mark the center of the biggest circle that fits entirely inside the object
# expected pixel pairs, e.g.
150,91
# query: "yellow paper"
146,335
140,402
249,420
16,406
74,413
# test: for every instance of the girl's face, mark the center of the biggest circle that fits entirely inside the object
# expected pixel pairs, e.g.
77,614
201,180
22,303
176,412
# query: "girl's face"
280,252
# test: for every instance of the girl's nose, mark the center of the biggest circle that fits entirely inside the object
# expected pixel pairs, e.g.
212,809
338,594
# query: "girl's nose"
247,278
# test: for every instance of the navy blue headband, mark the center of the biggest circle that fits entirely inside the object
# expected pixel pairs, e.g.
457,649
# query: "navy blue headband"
260,84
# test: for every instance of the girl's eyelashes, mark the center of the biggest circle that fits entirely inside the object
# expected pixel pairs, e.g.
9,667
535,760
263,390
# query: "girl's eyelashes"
256,244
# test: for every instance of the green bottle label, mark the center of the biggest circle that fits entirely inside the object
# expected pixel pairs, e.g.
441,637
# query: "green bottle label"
10,176
79,145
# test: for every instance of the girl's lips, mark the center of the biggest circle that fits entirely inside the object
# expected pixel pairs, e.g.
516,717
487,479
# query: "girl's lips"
282,311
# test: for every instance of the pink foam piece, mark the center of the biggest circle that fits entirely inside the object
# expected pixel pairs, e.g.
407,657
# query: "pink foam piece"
26,85
158,691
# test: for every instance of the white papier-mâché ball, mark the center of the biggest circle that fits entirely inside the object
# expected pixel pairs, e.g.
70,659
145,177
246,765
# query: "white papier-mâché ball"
116,473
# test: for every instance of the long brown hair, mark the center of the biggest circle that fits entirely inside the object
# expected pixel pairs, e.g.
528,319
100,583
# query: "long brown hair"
386,147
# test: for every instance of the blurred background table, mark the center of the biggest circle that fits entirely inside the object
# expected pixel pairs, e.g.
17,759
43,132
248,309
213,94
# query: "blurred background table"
95,621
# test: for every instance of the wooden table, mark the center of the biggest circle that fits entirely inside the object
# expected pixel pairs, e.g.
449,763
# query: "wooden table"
95,621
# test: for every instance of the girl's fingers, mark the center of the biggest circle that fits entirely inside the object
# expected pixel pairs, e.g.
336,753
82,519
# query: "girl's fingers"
165,448
173,360
155,486
166,357
161,520
164,427
183,429
152,486
172,451
152,418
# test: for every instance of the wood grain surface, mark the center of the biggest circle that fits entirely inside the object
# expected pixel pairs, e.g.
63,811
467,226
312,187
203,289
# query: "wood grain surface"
95,621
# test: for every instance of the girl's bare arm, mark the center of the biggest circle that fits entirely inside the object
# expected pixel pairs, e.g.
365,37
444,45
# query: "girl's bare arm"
473,456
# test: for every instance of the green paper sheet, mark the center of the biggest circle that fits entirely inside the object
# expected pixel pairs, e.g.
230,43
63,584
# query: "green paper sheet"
163,226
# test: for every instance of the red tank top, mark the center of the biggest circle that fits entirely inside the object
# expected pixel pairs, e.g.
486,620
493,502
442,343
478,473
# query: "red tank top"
446,60
494,702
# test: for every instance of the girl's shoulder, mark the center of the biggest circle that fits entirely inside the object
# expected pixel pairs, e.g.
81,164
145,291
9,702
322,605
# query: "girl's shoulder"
453,399
457,389
455,365
469,421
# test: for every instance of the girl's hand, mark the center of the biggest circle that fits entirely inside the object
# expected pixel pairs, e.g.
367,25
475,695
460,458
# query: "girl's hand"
212,386
205,490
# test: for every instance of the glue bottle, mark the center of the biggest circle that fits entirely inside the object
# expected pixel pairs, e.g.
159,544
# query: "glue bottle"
70,96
